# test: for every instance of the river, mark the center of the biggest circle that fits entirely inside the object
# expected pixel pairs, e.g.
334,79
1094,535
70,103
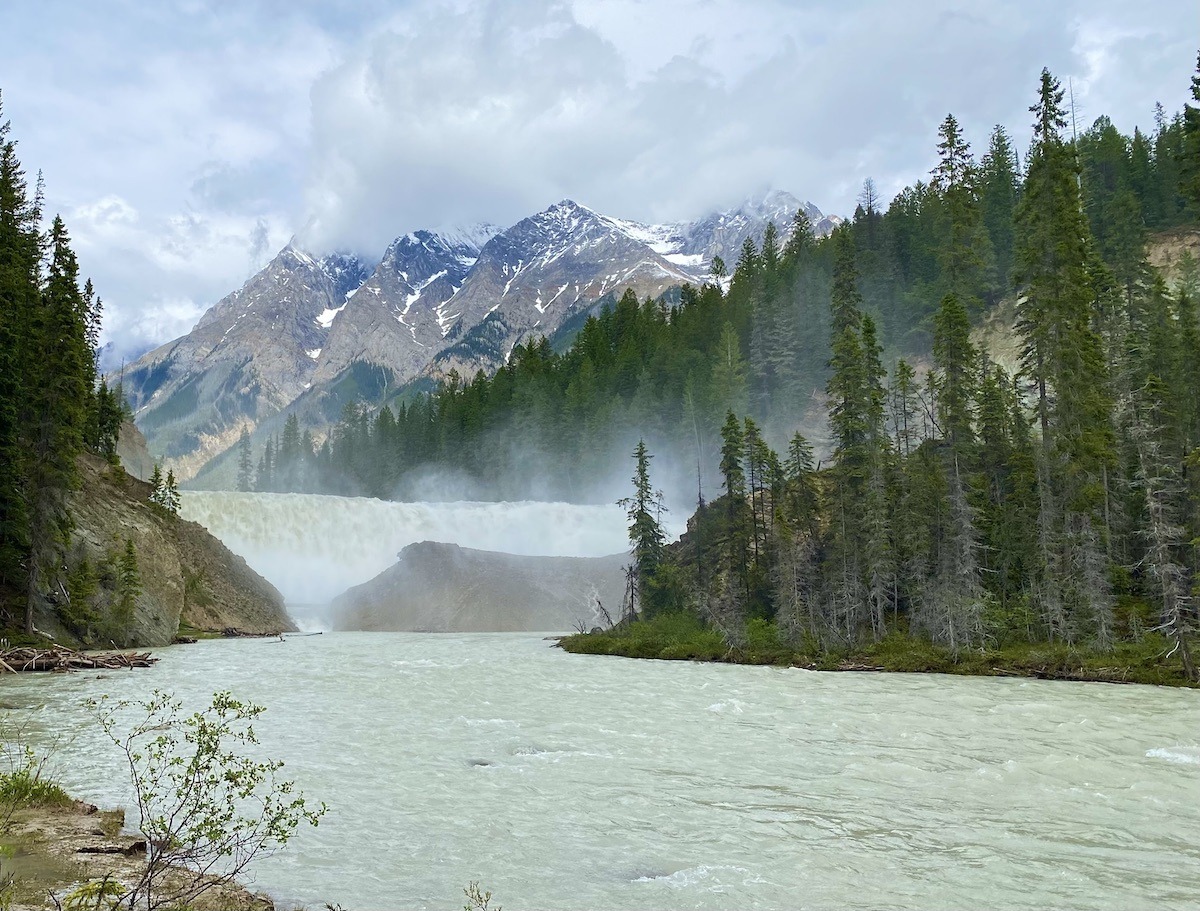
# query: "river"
563,781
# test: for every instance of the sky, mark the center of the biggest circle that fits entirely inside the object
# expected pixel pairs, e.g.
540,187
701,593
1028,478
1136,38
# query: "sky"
185,142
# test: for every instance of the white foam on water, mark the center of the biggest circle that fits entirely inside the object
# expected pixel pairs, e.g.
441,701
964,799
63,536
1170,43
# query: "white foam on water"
730,706
1179,755
702,873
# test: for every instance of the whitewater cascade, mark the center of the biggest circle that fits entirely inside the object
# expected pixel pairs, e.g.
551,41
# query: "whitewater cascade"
312,547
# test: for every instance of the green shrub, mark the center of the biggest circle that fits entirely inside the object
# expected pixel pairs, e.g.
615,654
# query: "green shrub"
22,783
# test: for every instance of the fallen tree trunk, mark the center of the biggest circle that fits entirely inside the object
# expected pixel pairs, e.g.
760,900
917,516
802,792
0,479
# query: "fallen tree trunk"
57,658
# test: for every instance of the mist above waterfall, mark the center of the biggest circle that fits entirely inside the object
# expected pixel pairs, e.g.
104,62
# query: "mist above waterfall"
314,547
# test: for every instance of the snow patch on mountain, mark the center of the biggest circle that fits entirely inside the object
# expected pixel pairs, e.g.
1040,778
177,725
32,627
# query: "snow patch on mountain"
326,317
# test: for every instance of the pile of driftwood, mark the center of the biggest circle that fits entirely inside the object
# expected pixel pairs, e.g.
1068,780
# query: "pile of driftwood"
57,658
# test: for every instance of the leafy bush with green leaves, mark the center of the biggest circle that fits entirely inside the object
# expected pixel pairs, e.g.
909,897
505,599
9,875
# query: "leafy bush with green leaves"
205,803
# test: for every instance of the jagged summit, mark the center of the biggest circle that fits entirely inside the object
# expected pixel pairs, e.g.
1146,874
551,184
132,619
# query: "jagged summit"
320,329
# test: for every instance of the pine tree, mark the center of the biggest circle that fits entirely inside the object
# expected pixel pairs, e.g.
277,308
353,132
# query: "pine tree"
20,279
1064,358
245,475
1157,477
951,607
999,189
288,465
644,510
129,587
964,251
734,482
158,495
903,408
57,400
1189,158
264,479
730,391
846,299
954,381
850,421
170,498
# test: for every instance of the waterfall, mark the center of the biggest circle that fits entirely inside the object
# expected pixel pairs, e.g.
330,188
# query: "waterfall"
312,548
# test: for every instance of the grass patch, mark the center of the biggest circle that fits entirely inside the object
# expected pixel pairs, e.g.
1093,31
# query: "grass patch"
683,636
672,637
25,787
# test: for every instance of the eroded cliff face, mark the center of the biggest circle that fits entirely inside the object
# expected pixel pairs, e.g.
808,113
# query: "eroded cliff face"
183,574
134,454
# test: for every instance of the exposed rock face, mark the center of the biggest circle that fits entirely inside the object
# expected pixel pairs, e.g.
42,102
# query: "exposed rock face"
445,588
133,453
309,334
398,318
249,356
1175,252
186,575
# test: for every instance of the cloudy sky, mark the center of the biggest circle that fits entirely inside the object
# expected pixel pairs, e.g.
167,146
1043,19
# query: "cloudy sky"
186,141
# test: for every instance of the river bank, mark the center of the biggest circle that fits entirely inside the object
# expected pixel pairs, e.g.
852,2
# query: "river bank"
682,637
50,850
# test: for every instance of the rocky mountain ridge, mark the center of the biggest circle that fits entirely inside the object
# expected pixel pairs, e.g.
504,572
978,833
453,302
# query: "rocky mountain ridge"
309,333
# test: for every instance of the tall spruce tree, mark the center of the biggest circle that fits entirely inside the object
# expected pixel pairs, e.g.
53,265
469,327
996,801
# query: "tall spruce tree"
20,280
1189,156
646,538
1063,356
964,250
999,189
58,397
245,475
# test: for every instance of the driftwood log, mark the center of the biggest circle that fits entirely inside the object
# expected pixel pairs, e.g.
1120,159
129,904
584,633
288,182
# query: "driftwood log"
57,658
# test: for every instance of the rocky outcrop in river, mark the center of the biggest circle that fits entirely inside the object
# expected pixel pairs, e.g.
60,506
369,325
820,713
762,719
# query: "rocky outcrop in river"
445,588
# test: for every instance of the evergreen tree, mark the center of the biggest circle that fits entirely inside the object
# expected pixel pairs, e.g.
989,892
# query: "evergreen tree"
1189,157
57,400
999,189
158,487
644,510
170,497
129,588
20,280
964,250
1064,358
730,391
846,299
954,381
264,478
245,475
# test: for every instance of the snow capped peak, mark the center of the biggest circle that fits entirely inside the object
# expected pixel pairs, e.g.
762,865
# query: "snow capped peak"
293,250
458,239
474,236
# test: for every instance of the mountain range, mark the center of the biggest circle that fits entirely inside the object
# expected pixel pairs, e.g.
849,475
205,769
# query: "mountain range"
311,332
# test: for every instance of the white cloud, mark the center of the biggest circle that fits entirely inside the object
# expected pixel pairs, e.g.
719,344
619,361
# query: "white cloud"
171,267
130,331
663,110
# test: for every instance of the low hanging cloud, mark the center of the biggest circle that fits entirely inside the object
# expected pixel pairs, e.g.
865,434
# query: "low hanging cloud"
460,113
169,255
